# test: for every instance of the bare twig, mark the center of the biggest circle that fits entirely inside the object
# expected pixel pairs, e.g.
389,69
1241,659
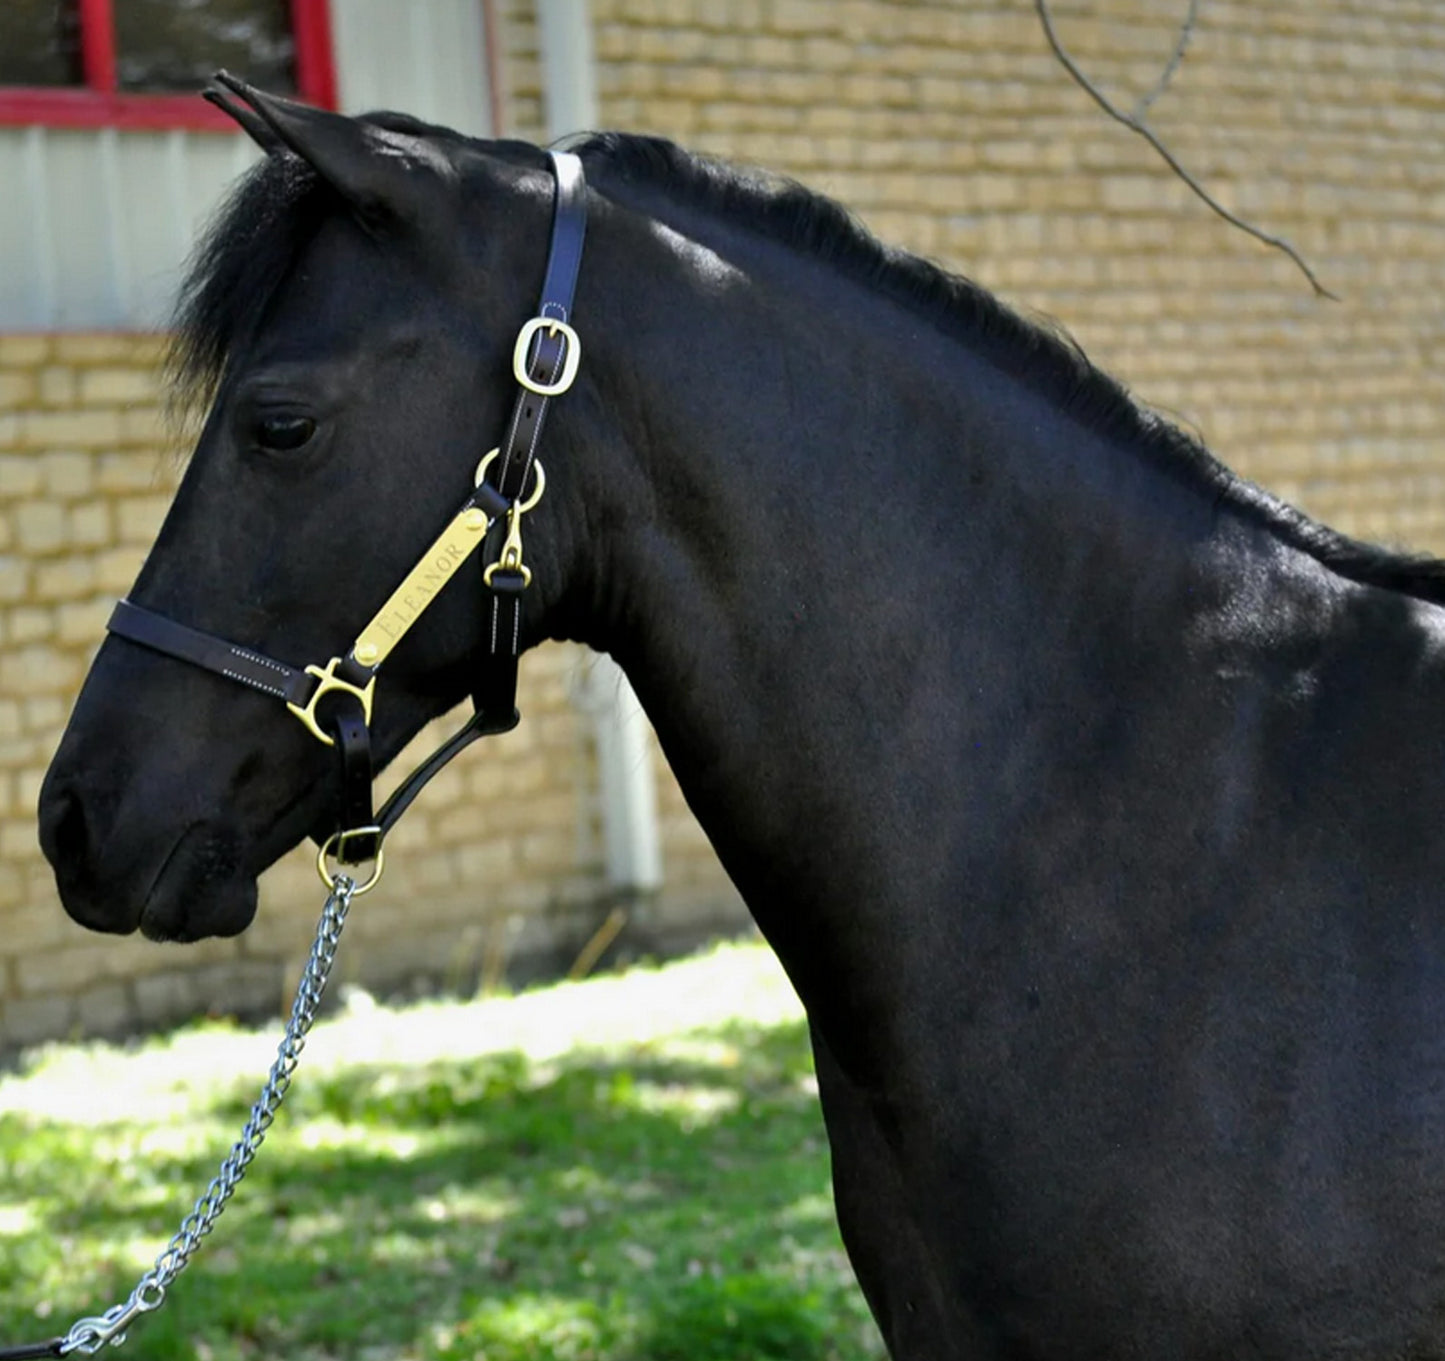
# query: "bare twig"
1186,32
1136,123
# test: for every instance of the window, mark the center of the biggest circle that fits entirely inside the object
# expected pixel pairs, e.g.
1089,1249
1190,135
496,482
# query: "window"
139,63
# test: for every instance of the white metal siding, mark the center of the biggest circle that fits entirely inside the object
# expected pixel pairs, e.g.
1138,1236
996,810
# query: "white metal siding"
423,58
95,226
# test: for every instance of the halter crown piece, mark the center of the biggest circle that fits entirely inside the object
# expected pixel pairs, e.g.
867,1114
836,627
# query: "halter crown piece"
509,482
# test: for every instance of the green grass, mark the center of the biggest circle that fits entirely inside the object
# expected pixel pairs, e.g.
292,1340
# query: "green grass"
629,1168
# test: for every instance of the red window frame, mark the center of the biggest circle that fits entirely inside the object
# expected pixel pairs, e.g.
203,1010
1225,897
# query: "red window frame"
98,104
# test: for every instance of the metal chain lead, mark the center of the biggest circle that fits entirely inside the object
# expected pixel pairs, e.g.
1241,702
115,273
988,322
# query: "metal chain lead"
89,1335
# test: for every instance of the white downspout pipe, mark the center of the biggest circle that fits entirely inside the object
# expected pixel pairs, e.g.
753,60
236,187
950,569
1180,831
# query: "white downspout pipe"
624,747
569,69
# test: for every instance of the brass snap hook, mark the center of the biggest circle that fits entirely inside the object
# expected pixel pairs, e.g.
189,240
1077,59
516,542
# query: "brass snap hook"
511,555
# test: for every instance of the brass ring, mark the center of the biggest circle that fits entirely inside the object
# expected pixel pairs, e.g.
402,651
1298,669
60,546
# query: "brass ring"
329,879
538,486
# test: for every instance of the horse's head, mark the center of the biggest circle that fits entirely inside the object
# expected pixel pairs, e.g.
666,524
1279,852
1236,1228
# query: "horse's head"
351,318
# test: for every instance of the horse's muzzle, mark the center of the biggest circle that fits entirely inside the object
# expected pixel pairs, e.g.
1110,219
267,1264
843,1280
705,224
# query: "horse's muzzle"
190,889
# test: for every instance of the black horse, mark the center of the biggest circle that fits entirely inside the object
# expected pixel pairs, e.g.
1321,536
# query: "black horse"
1091,798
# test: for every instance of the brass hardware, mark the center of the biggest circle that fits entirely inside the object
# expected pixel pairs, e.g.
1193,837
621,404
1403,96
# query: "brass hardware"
327,681
571,356
334,843
487,460
538,486
451,548
511,558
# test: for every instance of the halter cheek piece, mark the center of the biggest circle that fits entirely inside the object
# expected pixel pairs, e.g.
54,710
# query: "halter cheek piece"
544,363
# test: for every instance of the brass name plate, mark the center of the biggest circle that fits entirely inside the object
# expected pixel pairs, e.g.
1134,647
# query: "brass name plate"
453,546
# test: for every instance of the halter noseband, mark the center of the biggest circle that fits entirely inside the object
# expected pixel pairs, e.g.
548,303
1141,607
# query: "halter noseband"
544,363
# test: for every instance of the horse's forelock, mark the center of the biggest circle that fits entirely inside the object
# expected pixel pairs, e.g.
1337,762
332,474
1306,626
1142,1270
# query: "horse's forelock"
234,271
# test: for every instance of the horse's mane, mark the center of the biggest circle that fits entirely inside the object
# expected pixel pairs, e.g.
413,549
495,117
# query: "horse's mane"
1036,351
243,257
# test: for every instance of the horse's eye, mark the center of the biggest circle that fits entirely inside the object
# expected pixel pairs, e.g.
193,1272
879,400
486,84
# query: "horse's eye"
282,434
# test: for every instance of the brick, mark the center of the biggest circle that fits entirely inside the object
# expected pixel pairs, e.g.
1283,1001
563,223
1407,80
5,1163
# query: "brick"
25,1021
805,16
56,385
138,518
12,894
67,578
83,621
115,569
28,624
17,389
129,471
70,968
14,578
18,841
90,524
40,526
104,1010
19,475
99,429
37,668
100,349
118,386
144,426
44,713
67,474
19,351
166,996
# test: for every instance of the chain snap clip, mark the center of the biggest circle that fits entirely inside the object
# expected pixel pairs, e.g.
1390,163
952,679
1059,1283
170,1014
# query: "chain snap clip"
510,559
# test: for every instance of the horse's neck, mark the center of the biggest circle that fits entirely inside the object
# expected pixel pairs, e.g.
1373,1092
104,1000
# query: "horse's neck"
877,588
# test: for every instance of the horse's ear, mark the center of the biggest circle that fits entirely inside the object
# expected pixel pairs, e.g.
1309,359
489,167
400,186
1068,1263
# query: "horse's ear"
370,167
258,131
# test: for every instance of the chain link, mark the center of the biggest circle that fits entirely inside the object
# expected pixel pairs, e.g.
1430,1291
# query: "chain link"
89,1335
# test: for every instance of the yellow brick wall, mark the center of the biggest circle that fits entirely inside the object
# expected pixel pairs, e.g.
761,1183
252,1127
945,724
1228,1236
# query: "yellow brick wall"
951,130
498,864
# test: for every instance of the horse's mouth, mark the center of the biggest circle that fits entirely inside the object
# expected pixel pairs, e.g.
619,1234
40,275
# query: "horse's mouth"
201,890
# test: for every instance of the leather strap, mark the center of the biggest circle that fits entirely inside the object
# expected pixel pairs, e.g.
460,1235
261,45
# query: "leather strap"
260,672
483,723
347,725
33,1351
544,365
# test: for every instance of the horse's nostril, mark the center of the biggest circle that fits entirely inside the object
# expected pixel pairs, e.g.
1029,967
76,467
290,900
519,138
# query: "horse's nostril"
62,828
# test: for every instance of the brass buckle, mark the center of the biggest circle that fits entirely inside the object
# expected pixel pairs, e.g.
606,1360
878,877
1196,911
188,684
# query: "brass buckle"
571,356
334,843
327,681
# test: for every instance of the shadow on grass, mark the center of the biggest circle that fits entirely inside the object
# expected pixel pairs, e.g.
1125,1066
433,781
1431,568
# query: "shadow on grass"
649,1206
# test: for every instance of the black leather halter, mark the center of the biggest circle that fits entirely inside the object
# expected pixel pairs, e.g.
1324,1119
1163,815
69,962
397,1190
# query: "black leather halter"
544,363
